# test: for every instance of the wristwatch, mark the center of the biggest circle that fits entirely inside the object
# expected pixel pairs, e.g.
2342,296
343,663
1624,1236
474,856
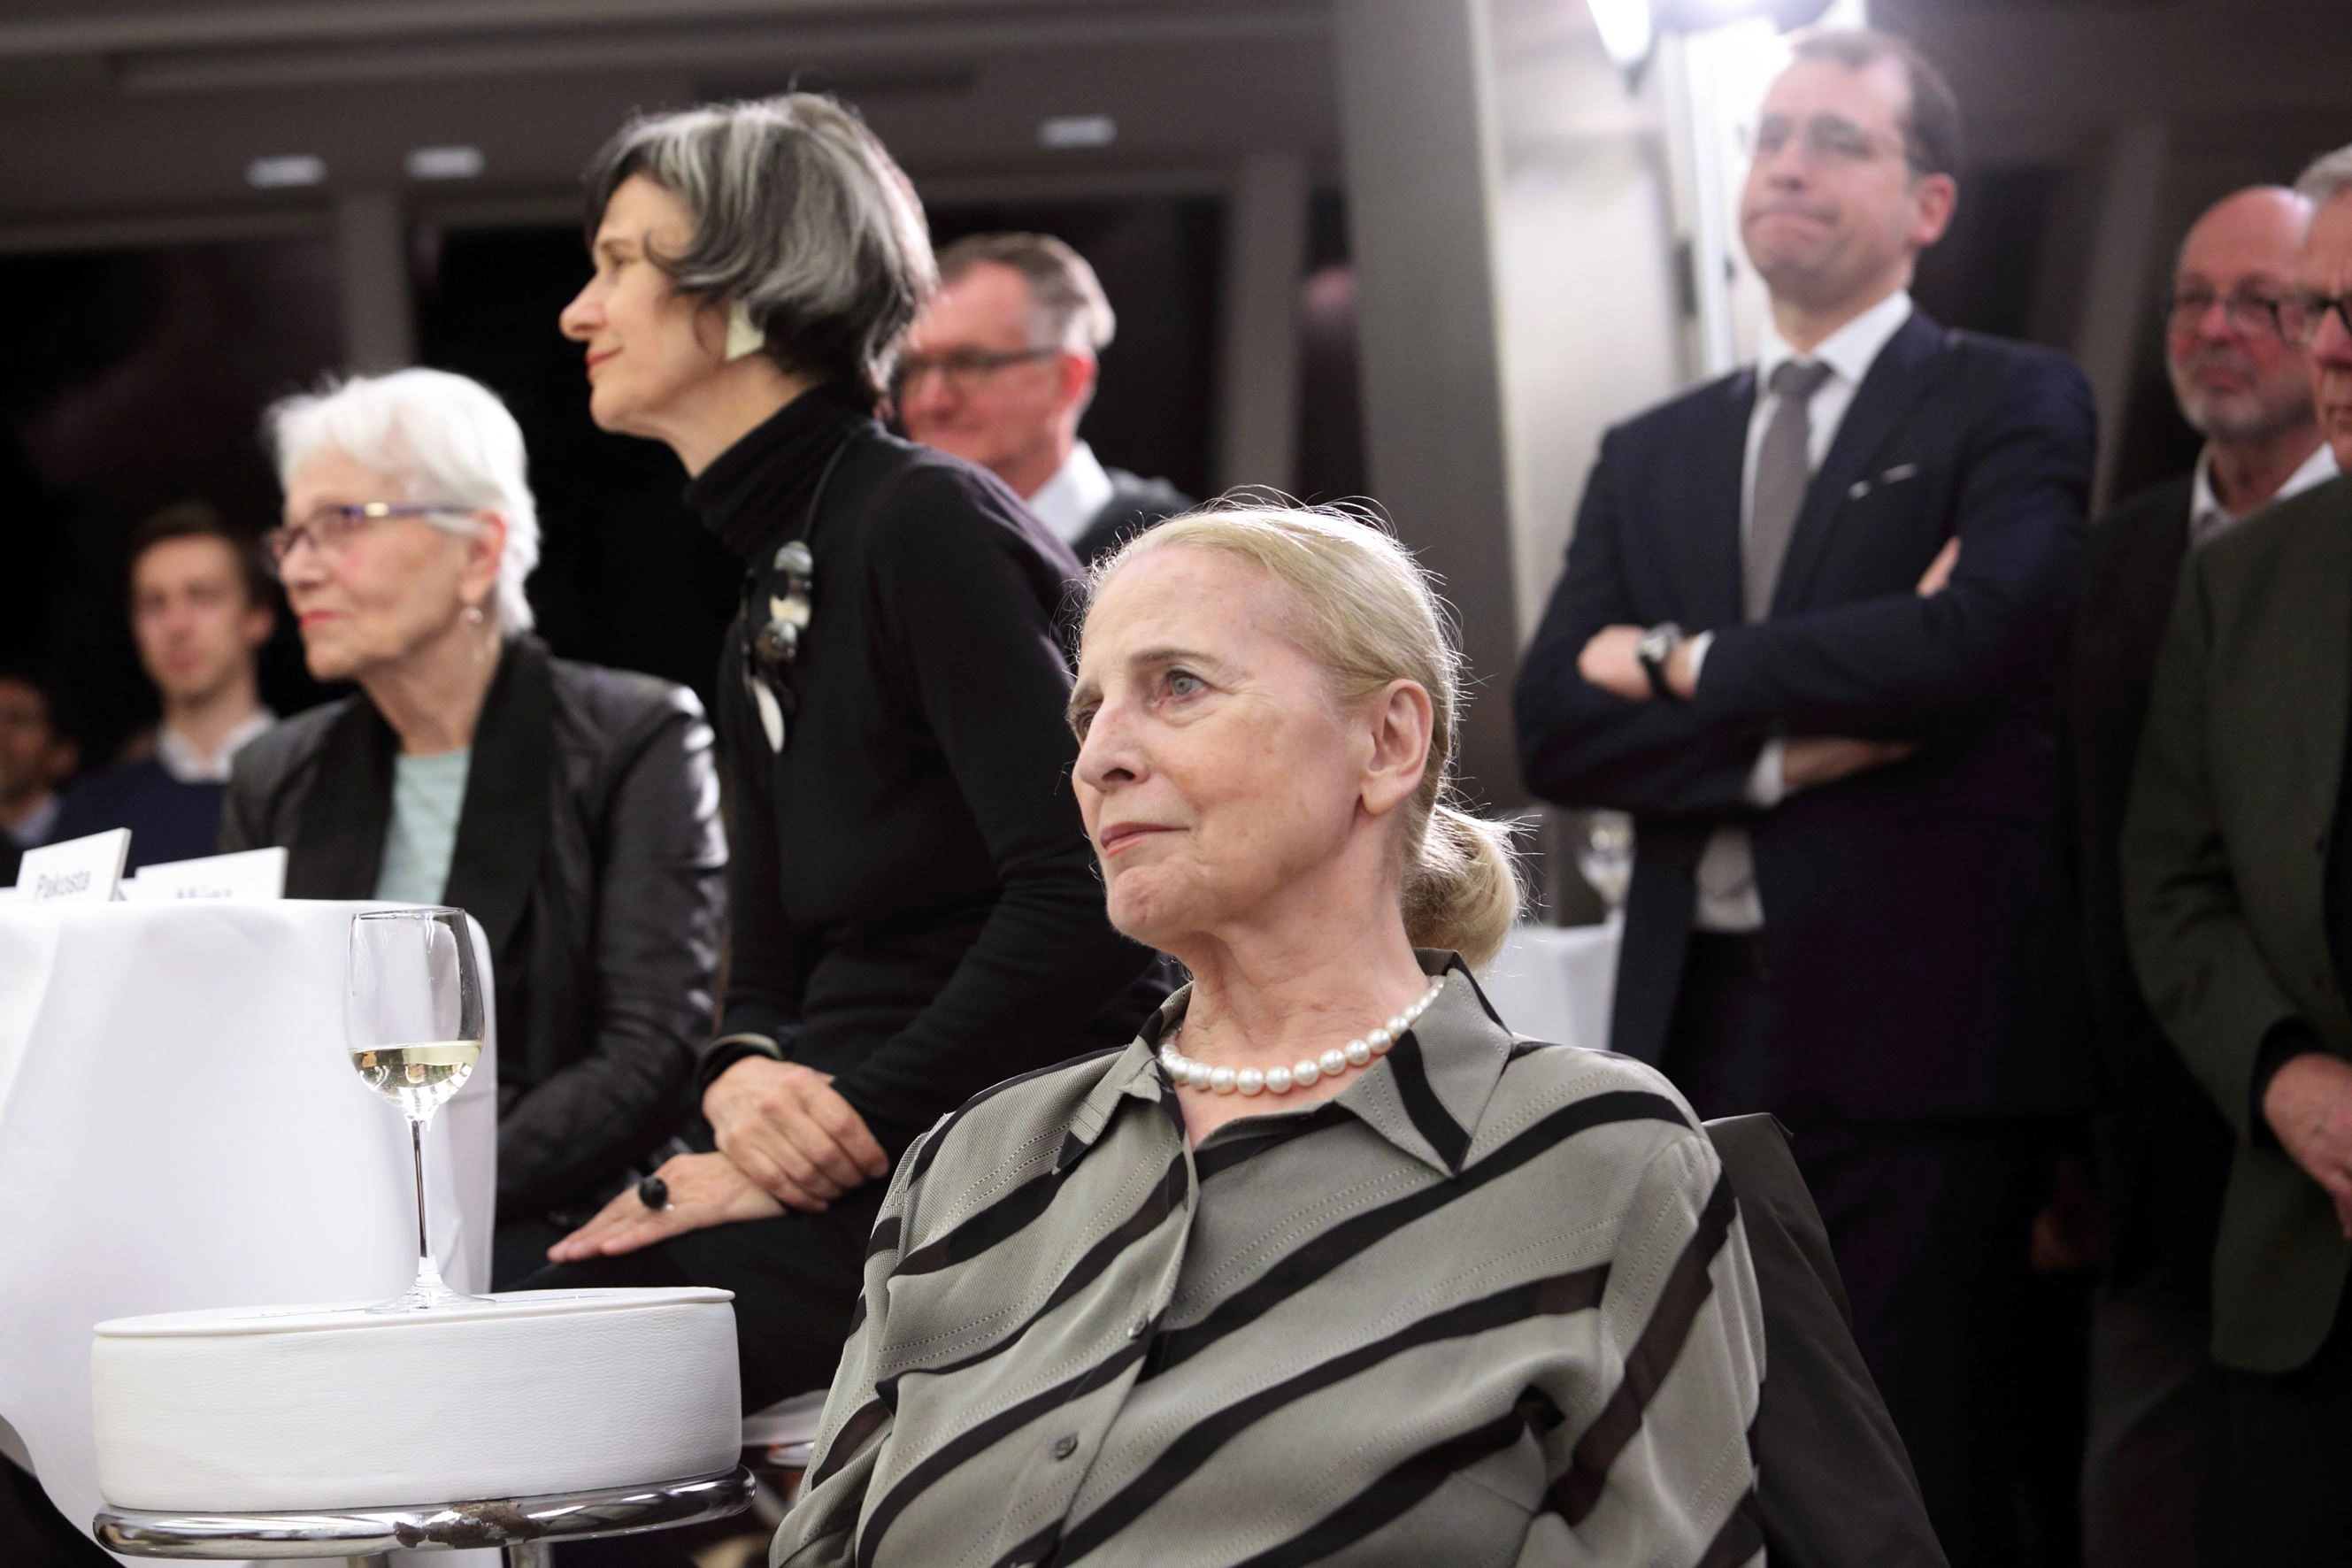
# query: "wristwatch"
1656,646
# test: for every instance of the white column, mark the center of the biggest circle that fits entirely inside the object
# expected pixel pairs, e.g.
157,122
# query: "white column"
1516,295
1416,94
1266,259
372,262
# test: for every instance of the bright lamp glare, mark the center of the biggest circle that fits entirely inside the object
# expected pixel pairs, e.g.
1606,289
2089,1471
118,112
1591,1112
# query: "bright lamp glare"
1065,131
1627,29
445,162
286,170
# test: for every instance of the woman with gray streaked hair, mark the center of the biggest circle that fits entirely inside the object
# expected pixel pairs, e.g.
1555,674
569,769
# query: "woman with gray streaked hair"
570,809
915,913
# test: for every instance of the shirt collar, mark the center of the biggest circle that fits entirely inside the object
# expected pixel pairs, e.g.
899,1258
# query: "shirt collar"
42,820
1849,351
1071,499
179,758
2208,520
1427,1095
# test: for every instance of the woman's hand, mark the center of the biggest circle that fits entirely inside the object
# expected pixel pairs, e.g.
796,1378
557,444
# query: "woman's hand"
788,1131
704,1190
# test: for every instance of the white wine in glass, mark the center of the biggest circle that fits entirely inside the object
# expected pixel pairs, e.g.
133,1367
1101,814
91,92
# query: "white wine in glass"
413,1025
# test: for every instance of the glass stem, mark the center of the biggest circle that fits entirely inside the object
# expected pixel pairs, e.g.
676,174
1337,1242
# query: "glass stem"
417,1148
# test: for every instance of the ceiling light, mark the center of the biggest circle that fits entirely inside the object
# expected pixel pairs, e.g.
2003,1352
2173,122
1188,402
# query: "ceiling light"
1627,29
445,162
286,170
1077,130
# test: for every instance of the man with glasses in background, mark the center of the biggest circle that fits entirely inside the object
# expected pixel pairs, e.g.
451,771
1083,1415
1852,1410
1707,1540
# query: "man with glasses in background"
2153,1470
2237,880
999,371
1811,635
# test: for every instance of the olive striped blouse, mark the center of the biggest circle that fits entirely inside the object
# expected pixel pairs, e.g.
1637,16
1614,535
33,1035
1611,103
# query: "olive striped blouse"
1490,1305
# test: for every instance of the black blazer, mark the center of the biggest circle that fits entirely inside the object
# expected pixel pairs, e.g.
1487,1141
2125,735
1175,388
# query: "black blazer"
590,850
2164,1151
1914,913
1135,504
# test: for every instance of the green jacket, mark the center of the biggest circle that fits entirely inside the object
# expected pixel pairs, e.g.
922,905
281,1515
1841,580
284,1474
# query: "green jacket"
2225,877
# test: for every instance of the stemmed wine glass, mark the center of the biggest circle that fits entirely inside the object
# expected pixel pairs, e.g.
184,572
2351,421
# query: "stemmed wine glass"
413,1022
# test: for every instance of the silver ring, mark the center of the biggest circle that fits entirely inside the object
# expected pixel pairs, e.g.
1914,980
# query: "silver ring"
653,1193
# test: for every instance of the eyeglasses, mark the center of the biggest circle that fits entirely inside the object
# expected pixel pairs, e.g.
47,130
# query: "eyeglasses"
2247,311
962,368
2303,313
1825,139
331,529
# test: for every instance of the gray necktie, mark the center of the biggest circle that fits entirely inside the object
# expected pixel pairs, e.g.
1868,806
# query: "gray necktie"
1783,468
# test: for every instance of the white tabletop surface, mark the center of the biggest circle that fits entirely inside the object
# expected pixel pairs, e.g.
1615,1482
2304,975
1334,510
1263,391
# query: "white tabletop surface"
1556,982
181,1128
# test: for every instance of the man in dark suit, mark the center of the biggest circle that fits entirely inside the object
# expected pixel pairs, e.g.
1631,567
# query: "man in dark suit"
999,371
2237,874
1810,635
2153,1473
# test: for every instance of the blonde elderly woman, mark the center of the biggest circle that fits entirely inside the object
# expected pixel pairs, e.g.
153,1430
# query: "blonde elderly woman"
1326,1266
571,810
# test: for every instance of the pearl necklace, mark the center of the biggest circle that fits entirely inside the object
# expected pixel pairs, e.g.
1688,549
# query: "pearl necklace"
1305,1070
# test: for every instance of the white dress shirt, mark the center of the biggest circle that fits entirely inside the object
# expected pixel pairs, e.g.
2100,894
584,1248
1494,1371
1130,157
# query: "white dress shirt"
1728,897
34,830
182,760
1074,497
2209,519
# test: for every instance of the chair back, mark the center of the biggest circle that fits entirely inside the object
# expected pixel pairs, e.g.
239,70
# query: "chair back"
1834,1483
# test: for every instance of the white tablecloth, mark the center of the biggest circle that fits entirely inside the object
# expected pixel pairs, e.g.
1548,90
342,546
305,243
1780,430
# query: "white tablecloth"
181,1128
1556,982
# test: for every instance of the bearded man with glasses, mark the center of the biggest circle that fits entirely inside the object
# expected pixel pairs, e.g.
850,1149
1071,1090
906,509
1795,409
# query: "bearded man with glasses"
2237,878
2154,1468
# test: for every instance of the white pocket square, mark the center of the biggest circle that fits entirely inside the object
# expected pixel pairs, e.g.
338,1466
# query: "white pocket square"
1893,476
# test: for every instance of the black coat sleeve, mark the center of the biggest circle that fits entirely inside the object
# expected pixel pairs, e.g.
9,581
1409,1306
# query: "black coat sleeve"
967,610
660,858
1580,745
769,961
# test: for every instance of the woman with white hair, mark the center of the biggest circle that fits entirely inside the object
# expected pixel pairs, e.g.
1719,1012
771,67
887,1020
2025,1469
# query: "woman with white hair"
914,911
1327,1266
571,809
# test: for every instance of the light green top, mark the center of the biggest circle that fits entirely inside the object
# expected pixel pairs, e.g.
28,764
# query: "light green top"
428,796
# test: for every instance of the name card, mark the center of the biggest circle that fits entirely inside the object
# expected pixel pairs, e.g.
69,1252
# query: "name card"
250,874
79,871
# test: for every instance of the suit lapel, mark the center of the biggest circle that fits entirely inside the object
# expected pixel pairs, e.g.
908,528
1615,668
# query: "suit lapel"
503,827
338,847
1903,372
1710,559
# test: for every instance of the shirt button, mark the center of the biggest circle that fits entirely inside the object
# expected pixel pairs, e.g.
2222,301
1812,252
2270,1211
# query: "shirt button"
1138,1329
1065,1446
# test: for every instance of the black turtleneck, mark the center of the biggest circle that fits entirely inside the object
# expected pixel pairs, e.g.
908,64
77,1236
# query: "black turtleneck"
915,907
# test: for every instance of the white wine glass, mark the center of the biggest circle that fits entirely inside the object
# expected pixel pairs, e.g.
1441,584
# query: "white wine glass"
412,1024
1606,857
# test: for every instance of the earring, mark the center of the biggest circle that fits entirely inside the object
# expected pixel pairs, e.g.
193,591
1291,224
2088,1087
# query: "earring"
744,337
473,615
